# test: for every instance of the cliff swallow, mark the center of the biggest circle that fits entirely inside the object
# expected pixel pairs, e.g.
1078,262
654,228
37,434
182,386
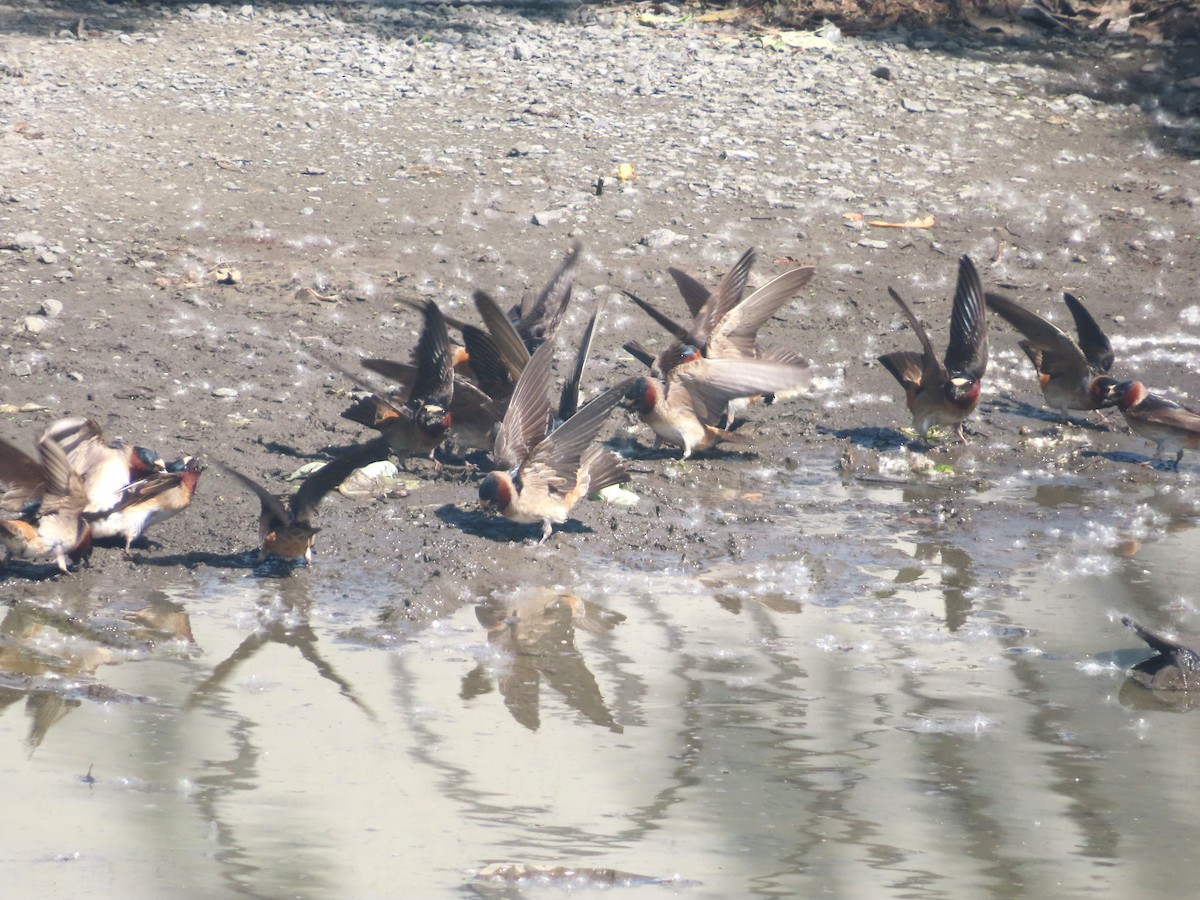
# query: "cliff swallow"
148,501
542,474
1073,375
418,425
945,393
1175,668
1168,424
685,409
287,531
50,497
106,468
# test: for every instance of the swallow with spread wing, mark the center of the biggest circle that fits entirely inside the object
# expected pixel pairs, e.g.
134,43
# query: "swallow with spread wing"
1073,375
287,531
541,474
945,392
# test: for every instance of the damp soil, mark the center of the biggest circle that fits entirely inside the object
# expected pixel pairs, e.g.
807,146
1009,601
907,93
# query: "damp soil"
210,213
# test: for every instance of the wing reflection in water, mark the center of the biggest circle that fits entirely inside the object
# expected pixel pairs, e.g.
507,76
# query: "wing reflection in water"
535,634
50,655
283,619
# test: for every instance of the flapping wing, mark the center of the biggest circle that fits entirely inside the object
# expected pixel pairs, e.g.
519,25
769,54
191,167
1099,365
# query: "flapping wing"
1092,340
528,416
710,384
568,403
18,469
435,363
695,295
508,341
932,370
1156,640
556,460
1057,353
496,375
968,350
271,505
736,333
727,295
541,317
314,488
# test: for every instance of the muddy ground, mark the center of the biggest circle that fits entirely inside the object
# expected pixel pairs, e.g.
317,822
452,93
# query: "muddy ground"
342,160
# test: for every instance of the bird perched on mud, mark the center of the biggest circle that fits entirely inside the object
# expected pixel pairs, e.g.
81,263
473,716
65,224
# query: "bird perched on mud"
1177,665
148,501
945,392
1073,375
48,498
418,424
287,531
1170,425
542,474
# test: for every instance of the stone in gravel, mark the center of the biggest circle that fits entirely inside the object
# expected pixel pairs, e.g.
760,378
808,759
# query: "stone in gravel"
26,240
872,244
224,393
51,308
882,72
661,237
547,217
47,257
33,324
912,106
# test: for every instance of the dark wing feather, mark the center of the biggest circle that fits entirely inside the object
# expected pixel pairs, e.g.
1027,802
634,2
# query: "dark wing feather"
510,344
568,403
494,376
540,318
1156,640
528,415
1092,340
271,505
435,363
968,351
906,366
1057,353
932,370
638,352
314,488
695,295
676,330
1161,411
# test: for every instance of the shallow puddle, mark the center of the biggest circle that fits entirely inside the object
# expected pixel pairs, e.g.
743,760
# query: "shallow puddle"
874,688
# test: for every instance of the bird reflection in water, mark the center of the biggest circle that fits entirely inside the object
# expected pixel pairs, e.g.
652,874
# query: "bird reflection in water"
50,656
535,633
